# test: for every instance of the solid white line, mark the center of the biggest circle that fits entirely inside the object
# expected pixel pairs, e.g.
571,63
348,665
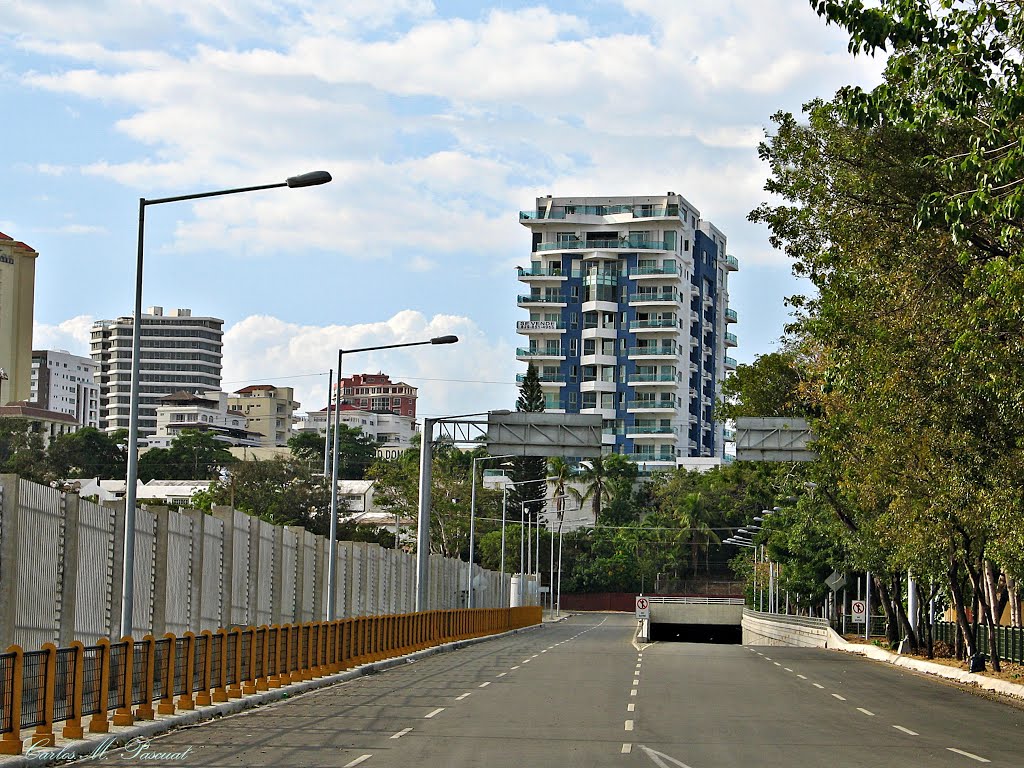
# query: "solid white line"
968,754
802,677
401,733
483,685
631,708
437,711
837,696
906,730
867,712
364,758
629,725
502,674
817,686
627,748
460,698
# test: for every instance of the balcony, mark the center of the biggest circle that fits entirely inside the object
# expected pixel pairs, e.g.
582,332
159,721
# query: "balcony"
649,298
651,378
606,244
730,363
730,339
730,315
549,298
562,212
666,431
550,378
653,325
650,405
732,263
652,351
548,352
649,457
541,272
653,271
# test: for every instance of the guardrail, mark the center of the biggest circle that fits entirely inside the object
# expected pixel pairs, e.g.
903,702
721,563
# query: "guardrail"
696,600
785,618
39,688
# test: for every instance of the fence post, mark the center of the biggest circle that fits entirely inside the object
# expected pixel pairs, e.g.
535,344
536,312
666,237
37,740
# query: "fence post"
98,723
284,667
262,681
123,715
10,742
166,705
43,736
219,691
234,690
274,680
145,710
185,700
203,695
73,725
249,684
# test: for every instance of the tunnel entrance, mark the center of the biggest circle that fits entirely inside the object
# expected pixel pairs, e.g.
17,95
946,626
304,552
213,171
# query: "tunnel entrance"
726,634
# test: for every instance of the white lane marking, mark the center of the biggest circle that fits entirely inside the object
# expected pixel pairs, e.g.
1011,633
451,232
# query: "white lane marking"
534,656
906,730
437,711
460,698
636,681
502,674
631,708
776,664
545,650
767,658
867,712
627,748
362,759
516,667
968,754
633,692
787,669
816,685
401,733
527,661
484,685
656,758
629,725
802,677
638,665
837,696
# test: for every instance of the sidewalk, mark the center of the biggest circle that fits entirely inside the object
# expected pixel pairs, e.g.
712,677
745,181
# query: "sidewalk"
136,737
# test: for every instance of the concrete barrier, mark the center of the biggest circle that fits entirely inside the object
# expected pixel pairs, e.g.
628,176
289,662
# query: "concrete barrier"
779,629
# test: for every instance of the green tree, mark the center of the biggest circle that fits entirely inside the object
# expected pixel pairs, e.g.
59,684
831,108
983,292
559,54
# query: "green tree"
87,452
193,455
307,447
21,449
529,470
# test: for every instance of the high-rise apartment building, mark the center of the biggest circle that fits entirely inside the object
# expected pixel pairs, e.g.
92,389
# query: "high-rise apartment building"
66,383
17,289
268,410
179,352
628,301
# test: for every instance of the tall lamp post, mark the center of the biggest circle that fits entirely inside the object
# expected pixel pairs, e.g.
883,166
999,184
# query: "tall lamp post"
504,516
332,556
311,179
472,523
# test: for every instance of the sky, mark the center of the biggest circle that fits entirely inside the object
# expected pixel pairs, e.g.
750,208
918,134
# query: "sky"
439,122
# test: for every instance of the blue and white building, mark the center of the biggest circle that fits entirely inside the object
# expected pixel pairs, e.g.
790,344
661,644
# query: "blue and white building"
629,312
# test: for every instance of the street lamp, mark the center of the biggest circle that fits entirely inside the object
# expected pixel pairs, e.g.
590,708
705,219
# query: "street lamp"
311,179
332,556
504,515
472,522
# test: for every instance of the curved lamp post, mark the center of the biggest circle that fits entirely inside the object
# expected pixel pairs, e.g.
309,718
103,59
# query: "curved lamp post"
332,556
128,578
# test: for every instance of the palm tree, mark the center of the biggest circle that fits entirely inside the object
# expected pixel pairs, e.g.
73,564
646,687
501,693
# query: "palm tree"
595,480
559,475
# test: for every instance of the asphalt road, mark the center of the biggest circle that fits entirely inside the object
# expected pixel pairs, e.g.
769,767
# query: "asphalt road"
578,693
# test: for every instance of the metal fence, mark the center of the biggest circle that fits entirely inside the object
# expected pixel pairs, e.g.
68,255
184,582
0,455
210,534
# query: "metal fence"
1009,640
39,688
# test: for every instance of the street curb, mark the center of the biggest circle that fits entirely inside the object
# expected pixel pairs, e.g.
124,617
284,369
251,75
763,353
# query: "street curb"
837,642
118,737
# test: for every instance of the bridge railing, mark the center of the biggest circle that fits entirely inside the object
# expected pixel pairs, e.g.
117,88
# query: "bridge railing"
39,688
783,618
694,600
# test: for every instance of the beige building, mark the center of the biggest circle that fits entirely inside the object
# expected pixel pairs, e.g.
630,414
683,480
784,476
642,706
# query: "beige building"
268,410
17,292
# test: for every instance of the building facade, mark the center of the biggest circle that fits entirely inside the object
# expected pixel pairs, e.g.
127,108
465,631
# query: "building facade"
393,431
628,317
206,412
17,294
66,383
376,392
268,411
179,352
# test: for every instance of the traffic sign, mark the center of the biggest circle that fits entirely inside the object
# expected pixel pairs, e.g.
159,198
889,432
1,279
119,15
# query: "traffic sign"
836,581
859,610
643,607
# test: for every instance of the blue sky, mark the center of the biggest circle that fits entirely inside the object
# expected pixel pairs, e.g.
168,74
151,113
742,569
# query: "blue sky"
439,122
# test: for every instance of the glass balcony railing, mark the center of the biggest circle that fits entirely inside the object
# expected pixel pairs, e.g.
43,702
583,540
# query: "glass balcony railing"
652,457
730,315
642,324
730,339
545,378
641,297
562,211
652,351
651,404
651,378
613,243
540,271
650,430
732,263
613,431
730,363
547,298
540,352
669,270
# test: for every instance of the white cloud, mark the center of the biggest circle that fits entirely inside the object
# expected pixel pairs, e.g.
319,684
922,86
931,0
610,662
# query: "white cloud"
71,335
476,374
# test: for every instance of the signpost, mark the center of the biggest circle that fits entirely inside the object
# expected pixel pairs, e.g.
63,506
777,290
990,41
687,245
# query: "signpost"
643,607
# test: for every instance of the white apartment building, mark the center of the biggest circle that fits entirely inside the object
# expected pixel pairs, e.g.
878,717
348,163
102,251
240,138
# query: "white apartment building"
204,412
392,430
628,313
66,383
179,352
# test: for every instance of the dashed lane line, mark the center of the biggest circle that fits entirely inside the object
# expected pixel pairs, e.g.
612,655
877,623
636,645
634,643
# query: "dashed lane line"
802,677
484,685
631,708
362,759
460,698
968,754
502,674
787,669
906,730
629,725
837,696
627,748
633,692
817,685
437,711
867,712
401,733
